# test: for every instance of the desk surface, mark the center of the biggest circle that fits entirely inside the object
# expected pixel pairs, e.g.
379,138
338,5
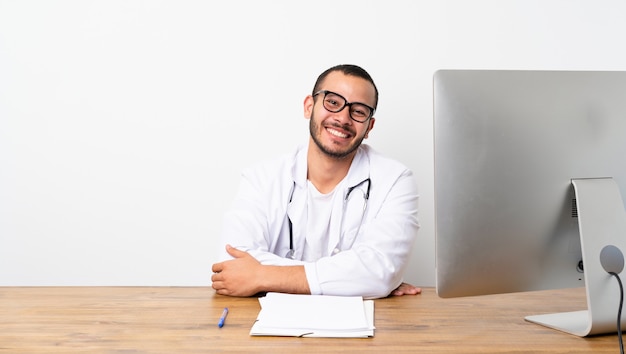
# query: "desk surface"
184,320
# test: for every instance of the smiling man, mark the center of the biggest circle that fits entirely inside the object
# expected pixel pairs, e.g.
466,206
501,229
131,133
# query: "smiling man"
334,217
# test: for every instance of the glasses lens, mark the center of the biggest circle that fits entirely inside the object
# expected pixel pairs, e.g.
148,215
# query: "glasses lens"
360,112
333,102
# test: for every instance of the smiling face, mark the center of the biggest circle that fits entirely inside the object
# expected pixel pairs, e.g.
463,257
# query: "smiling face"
336,134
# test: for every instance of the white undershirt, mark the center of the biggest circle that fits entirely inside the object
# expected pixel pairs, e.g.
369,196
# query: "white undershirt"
319,211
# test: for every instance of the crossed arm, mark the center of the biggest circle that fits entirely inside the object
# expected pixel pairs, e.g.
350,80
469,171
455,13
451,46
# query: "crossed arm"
245,276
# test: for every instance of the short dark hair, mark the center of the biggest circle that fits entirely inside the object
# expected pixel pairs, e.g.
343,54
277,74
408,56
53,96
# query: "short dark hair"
347,69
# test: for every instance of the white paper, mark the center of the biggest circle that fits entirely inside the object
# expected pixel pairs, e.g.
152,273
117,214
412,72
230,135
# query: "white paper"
314,316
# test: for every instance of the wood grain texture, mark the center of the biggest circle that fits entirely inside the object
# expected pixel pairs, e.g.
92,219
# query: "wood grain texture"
184,320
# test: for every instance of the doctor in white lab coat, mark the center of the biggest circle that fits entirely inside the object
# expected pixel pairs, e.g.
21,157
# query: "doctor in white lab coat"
334,217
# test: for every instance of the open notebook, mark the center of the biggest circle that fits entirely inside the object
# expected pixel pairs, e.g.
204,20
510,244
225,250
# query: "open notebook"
314,316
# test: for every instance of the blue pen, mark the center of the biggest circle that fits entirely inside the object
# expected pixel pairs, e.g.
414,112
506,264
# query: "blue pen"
220,324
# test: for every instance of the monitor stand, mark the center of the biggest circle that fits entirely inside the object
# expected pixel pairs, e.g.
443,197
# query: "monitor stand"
602,223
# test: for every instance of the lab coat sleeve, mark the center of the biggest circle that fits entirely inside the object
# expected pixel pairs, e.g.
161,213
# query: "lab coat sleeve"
374,266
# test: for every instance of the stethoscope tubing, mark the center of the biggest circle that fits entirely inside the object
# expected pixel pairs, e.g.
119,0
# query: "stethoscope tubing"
366,195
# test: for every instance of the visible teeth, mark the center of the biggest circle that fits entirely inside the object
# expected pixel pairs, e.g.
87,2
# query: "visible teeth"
337,134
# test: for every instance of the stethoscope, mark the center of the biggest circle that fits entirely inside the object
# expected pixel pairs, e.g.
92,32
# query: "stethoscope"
366,196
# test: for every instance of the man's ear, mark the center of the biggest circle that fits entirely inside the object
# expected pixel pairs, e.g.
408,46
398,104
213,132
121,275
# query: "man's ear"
370,127
309,102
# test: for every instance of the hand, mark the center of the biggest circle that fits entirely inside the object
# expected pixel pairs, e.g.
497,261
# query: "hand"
406,289
238,276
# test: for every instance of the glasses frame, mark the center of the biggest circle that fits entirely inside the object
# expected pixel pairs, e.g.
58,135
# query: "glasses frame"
346,104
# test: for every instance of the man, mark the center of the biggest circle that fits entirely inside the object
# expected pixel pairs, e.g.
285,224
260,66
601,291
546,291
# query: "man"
333,218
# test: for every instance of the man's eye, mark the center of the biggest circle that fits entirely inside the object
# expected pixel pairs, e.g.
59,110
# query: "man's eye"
359,113
332,102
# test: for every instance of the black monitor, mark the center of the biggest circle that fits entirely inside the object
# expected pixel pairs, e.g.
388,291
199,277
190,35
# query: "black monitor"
527,164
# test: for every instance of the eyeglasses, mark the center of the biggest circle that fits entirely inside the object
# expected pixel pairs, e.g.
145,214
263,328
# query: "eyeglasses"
334,102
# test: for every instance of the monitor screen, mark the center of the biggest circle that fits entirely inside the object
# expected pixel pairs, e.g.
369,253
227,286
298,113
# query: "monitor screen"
507,146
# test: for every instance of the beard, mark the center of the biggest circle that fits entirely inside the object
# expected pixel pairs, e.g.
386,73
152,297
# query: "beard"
314,128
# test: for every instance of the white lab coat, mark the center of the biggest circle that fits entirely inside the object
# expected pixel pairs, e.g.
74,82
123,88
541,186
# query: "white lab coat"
370,264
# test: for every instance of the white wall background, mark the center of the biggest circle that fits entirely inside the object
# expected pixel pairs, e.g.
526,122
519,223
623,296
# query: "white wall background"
124,124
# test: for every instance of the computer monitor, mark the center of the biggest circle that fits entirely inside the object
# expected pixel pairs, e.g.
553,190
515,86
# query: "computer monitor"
530,170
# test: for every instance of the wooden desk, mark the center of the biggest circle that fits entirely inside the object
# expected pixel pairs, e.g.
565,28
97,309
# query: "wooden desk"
184,320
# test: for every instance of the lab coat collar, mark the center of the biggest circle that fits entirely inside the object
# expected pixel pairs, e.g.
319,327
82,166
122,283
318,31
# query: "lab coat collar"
299,168
359,169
